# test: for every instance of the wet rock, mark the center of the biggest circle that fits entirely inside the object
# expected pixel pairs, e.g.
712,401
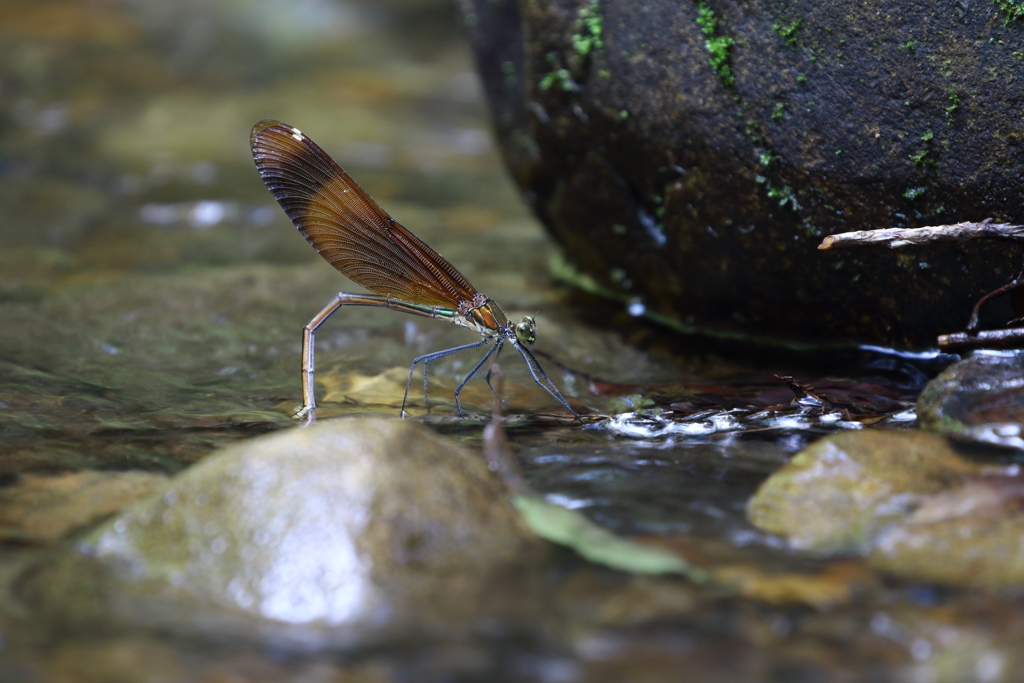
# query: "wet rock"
980,398
337,532
837,494
907,502
690,156
40,509
973,535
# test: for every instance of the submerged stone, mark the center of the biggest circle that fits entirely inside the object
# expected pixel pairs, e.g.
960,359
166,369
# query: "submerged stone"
980,398
341,530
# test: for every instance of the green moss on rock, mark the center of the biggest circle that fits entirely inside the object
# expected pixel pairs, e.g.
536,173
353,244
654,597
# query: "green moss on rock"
718,46
591,26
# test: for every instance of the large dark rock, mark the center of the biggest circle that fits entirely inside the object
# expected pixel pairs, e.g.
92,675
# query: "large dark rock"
697,175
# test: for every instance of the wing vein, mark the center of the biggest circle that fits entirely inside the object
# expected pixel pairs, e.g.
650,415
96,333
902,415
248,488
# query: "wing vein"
347,227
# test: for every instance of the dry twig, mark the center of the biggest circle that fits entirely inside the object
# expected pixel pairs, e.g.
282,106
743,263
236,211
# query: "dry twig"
1010,338
895,238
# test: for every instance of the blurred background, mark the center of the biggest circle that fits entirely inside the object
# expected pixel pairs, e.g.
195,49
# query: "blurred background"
130,119
152,291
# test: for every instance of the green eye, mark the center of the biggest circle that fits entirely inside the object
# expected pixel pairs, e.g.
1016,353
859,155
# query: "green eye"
526,331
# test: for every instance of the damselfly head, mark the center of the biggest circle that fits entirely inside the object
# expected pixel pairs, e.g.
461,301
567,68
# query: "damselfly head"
526,331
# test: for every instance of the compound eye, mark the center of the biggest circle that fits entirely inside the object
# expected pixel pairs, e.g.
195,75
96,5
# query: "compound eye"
526,331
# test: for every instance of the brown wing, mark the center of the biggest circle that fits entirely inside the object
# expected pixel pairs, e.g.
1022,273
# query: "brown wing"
346,226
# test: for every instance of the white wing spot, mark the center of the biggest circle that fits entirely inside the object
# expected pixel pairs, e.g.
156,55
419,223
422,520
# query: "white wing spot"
297,134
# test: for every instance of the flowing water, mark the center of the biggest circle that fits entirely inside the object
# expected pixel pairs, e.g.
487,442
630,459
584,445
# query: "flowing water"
152,296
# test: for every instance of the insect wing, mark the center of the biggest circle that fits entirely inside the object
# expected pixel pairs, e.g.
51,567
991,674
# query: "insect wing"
346,226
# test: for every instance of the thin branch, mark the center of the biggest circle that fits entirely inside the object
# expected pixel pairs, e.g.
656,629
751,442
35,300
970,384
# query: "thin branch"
895,238
987,339
974,322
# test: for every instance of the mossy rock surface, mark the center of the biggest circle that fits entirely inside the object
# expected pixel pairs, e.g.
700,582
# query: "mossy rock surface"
973,535
692,155
838,493
905,500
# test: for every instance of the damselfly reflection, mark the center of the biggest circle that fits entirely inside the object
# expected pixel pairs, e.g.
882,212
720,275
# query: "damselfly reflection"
367,245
